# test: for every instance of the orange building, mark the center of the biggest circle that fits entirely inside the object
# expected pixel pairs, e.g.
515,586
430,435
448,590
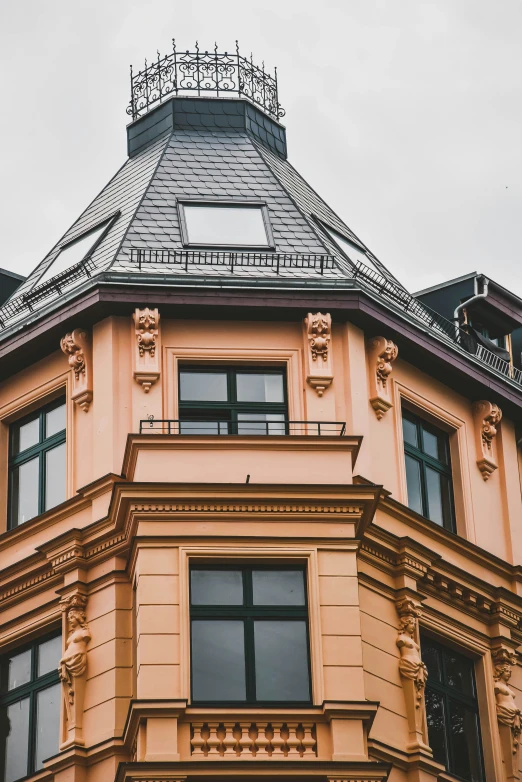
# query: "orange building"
261,506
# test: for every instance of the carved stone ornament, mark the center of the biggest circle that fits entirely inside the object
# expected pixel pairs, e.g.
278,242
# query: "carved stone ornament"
318,328
487,417
73,666
508,713
77,347
413,673
148,348
382,353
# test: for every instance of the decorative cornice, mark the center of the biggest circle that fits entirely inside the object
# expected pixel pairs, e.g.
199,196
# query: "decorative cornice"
308,508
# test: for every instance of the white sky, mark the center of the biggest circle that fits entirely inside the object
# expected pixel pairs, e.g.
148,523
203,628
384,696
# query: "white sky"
405,116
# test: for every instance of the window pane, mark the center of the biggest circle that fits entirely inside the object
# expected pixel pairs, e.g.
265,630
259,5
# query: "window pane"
410,432
434,492
278,587
430,443
49,653
24,487
47,723
27,435
72,254
225,225
432,660
18,669
55,421
218,660
259,388
203,386
464,731
436,722
55,476
413,482
269,423
459,672
216,587
15,730
281,652
203,427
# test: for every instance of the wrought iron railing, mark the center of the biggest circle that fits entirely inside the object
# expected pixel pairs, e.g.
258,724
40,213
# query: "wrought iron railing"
183,259
199,72
439,324
247,427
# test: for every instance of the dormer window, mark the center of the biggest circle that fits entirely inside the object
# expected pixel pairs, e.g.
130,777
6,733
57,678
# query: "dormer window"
73,252
226,225
352,251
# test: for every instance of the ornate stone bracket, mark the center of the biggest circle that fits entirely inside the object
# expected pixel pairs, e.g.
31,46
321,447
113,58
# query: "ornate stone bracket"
413,673
508,713
147,353
77,347
318,351
382,352
73,667
487,417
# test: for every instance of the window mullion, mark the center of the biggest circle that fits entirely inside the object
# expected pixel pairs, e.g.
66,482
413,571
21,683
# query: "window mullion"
250,660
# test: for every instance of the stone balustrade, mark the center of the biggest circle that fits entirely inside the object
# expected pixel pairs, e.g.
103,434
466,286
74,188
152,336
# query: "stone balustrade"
261,740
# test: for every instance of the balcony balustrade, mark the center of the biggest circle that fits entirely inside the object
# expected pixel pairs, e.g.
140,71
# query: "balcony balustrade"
248,427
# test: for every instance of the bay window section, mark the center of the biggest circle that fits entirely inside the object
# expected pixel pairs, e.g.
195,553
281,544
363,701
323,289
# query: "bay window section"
232,400
428,470
249,636
30,695
37,463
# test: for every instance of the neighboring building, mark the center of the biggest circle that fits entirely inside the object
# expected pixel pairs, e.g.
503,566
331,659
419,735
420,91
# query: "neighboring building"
9,282
246,474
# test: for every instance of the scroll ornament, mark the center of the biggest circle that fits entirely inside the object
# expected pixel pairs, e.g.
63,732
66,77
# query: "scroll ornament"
148,347
414,674
73,665
77,347
487,418
318,327
508,713
382,354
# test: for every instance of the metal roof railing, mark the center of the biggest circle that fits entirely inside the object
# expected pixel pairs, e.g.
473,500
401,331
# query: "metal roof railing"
183,259
244,427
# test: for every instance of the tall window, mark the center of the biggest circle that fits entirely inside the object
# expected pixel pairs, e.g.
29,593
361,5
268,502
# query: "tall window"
428,470
37,463
452,711
249,635
29,708
232,400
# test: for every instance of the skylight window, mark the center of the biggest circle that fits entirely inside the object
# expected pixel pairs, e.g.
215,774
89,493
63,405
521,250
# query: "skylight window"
72,253
225,225
354,253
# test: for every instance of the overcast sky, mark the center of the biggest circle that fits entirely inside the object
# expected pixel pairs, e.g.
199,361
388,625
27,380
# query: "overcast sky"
404,115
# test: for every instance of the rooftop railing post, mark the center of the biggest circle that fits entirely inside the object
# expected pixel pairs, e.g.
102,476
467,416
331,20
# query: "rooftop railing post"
146,77
238,66
133,102
216,66
159,77
198,78
175,65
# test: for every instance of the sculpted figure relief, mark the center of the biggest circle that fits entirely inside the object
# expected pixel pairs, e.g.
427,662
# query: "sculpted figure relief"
489,426
74,661
75,355
147,330
319,329
508,712
384,361
410,663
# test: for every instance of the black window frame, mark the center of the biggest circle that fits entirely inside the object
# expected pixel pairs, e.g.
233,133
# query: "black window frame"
39,450
231,406
248,612
426,460
28,690
231,204
448,694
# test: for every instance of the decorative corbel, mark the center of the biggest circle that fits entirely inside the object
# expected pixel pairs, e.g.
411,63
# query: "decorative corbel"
413,673
147,353
73,666
77,347
508,713
382,352
318,351
487,417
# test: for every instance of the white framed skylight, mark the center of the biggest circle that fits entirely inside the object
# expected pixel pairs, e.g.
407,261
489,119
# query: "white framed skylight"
72,253
351,250
218,224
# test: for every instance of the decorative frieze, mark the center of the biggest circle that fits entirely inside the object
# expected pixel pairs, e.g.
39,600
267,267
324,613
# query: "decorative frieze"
318,334
508,713
382,353
73,666
147,352
262,740
487,417
413,673
77,347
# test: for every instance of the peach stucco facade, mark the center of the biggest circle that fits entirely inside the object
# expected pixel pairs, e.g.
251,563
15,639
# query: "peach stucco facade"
142,508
